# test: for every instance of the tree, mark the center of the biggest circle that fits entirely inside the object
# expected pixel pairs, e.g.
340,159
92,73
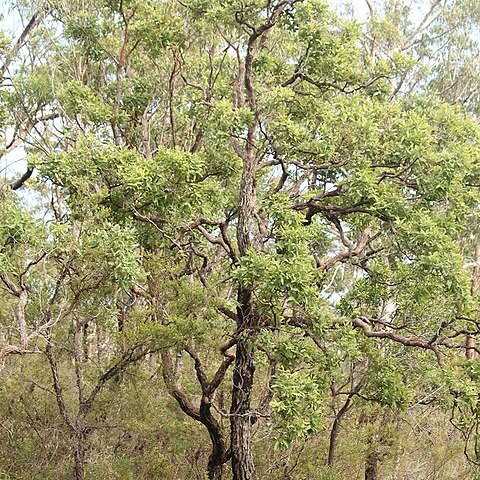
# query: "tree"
263,197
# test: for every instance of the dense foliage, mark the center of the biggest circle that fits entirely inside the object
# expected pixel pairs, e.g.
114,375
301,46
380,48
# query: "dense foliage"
239,240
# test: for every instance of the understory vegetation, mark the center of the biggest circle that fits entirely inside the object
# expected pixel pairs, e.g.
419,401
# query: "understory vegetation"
239,240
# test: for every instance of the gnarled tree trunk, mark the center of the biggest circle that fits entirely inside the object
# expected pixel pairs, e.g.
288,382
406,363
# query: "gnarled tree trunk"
219,454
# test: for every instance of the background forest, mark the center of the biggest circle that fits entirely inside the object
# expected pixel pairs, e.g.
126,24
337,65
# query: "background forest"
239,240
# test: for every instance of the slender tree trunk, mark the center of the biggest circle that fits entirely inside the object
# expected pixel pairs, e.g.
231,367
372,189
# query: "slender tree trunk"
243,467
219,454
470,348
333,442
79,456
241,419
335,430
337,422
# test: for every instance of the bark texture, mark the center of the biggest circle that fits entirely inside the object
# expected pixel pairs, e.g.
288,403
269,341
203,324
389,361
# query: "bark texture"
243,467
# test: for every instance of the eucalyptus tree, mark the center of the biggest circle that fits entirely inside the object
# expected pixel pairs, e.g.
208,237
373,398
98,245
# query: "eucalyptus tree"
22,112
223,169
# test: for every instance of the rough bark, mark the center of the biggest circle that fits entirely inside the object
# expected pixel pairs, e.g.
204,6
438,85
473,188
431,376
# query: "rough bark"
241,419
243,467
371,465
219,454
79,456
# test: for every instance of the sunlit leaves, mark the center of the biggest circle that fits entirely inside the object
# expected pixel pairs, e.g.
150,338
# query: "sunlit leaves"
297,406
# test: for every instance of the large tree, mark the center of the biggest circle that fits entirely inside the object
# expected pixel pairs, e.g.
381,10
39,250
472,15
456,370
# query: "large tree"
263,197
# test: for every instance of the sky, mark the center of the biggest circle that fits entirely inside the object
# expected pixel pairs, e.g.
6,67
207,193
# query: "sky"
12,24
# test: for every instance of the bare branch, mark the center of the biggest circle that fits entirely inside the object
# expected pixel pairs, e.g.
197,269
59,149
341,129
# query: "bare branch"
27,31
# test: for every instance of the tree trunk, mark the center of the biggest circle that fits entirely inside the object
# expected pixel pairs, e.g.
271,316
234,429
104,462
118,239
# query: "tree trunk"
218,456
241,424
338,420
243,467
79,456
241,419
371,465
470,348
215,468
336,427
333,442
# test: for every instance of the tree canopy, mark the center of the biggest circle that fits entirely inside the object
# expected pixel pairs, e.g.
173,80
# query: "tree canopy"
239,239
